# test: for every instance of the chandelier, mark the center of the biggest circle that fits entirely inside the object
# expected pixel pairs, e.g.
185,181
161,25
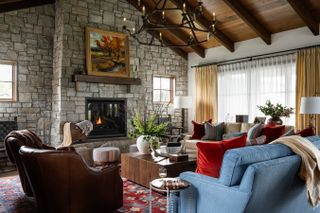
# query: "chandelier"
154,20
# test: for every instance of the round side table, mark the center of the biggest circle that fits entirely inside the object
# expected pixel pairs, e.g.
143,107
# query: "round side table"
159,186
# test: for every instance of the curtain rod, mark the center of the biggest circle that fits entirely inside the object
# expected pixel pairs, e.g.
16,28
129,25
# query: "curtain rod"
253,57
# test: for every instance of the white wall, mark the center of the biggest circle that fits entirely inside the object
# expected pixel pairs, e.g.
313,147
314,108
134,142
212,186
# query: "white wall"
301,37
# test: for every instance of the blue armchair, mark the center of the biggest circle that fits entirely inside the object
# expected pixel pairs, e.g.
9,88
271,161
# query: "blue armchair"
256,179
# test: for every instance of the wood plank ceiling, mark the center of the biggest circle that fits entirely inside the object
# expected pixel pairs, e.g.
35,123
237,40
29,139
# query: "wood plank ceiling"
9,5
237,20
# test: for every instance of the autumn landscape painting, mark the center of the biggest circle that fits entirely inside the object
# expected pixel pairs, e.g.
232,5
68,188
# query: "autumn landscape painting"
107,53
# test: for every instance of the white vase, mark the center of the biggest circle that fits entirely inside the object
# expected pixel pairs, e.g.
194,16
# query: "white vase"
143,145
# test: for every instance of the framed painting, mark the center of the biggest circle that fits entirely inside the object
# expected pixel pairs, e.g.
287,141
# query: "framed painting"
107,53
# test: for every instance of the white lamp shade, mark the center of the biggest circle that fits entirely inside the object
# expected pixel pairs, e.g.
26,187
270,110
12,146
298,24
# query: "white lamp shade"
180,102
310,105
170,110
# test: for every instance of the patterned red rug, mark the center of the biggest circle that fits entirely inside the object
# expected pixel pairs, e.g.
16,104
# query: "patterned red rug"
135,198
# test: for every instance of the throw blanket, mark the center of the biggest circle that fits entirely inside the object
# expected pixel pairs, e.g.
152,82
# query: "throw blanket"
310,165
67,137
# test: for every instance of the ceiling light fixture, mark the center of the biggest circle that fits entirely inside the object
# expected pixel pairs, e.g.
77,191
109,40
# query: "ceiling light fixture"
155,20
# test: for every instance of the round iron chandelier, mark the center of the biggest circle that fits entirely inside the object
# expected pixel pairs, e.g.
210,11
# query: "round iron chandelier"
154,20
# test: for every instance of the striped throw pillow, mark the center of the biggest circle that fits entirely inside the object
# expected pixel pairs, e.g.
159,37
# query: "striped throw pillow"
254,132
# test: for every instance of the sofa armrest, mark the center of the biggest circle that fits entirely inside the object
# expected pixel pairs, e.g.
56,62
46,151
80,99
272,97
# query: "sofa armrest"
187,137
207,194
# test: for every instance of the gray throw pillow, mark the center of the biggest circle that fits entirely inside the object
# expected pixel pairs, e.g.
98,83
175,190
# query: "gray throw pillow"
213,131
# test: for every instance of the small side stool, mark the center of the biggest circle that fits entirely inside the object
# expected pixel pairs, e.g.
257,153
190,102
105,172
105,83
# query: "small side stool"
105,155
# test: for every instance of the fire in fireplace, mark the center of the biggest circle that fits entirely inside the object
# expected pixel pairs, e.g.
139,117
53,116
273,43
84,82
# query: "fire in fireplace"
108,115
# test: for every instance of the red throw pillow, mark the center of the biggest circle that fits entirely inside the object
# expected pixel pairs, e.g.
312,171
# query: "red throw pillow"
198,129
210,154
307,132
273,132
236,142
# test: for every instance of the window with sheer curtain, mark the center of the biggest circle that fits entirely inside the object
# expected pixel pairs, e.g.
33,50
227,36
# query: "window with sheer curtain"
245,85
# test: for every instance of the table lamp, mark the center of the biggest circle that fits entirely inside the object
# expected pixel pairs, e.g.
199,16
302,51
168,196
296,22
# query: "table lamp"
183,103
310,105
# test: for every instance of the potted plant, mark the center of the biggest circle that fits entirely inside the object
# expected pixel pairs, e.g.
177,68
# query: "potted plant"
275,112
147,132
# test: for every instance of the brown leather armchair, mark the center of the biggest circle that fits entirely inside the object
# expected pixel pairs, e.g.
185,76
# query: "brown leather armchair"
13,141
63,182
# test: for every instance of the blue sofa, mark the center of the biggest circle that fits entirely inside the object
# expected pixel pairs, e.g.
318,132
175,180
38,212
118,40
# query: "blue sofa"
256,179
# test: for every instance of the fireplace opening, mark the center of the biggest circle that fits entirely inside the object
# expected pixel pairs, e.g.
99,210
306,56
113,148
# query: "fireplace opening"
108,115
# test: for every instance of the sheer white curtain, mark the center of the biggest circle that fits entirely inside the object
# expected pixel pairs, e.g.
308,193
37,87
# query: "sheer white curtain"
245,85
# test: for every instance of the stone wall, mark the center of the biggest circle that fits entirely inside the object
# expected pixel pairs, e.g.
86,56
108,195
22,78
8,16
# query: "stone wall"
145,61
26,37
49,44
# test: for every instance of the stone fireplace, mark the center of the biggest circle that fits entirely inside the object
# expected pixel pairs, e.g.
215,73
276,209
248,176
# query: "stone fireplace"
108,115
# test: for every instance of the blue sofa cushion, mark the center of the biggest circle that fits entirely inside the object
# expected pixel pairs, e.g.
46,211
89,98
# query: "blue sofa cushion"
236,161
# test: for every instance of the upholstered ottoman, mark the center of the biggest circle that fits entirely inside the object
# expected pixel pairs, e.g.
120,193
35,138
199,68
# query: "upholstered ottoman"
105,155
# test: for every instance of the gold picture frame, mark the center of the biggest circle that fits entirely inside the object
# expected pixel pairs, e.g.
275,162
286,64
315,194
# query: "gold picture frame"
107,53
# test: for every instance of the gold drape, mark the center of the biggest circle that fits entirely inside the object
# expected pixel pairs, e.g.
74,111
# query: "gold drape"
308,82
206,93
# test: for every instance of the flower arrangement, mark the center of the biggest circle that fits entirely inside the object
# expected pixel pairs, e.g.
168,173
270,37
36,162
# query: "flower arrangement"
275,111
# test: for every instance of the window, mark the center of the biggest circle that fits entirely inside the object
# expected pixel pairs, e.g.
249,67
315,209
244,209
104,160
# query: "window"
245,85
8,85
163,89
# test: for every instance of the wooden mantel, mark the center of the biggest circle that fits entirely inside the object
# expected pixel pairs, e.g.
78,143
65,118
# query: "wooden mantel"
106,80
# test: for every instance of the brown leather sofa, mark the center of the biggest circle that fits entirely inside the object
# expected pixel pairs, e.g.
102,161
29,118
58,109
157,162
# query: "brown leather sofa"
63,182
13,141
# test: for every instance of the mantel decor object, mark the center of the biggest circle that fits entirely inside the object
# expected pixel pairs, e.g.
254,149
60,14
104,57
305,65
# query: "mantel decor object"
107,53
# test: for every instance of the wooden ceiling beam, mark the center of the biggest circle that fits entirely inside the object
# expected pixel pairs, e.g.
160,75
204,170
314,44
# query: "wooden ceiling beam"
181,35
205,23
16,5
185,38
306,15
178,51
262,32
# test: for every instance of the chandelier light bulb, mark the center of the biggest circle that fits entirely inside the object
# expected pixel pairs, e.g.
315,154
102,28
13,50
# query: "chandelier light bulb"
133,30
124,19
184,8
200,6
160,35
213,16
139,3
143,10
163,15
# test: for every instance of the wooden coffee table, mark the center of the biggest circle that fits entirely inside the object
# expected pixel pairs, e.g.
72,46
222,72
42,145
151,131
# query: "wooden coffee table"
142,169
